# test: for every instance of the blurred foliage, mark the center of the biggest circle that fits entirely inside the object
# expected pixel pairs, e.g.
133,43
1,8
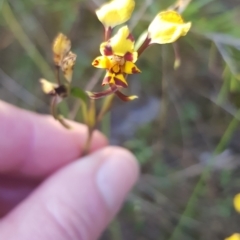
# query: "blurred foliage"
198,122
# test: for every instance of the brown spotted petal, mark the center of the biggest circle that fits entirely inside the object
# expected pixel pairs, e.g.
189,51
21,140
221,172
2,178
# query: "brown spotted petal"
106,49
101,62
68,65
108,78
130,68
131,56
61,47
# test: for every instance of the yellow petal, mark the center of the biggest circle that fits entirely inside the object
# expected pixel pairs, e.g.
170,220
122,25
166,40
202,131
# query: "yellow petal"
68,65
61,47
235,236
167,27
108,78
115,12
48,87
130,68
236,202
101,62
120,80
122,42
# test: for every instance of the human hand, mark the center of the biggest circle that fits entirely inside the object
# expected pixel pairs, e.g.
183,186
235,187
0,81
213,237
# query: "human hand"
44,192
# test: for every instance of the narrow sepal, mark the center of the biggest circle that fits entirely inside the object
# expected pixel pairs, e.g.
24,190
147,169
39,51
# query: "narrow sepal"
124,97
96,95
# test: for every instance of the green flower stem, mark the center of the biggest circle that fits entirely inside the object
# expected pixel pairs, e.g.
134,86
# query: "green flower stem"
53,110
87,145
57,72
191,205
106,106
91,123
223,91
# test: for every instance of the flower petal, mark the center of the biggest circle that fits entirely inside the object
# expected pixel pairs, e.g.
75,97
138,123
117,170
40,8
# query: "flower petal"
120,81
107,78
167,27
122,42
130,68
131,56
101,62
125,98
115,12
106,49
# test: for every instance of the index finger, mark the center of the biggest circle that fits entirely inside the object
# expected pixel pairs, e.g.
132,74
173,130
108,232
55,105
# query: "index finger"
36,145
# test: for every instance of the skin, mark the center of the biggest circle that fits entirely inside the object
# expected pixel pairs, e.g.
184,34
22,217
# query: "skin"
47,191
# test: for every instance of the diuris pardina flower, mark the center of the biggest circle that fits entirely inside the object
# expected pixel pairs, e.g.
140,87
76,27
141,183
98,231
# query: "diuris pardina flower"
115,12
118,58
167,27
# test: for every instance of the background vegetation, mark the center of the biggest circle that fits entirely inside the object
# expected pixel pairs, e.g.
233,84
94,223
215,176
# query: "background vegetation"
184,128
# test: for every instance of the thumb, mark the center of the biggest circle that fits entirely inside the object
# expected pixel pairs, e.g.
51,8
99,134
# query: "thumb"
77,202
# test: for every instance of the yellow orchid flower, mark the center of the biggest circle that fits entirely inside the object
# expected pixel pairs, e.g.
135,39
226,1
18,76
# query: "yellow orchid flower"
235,236
236,202
167,27
115,12
118,58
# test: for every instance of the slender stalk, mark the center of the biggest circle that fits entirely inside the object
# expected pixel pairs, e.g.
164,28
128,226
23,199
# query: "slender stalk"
222,96
53,107
177,61
105,107
87,145
53,110
108,33
144,45
57,73
91,123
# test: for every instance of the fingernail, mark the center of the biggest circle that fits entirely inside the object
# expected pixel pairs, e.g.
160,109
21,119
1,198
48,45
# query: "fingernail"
116,177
